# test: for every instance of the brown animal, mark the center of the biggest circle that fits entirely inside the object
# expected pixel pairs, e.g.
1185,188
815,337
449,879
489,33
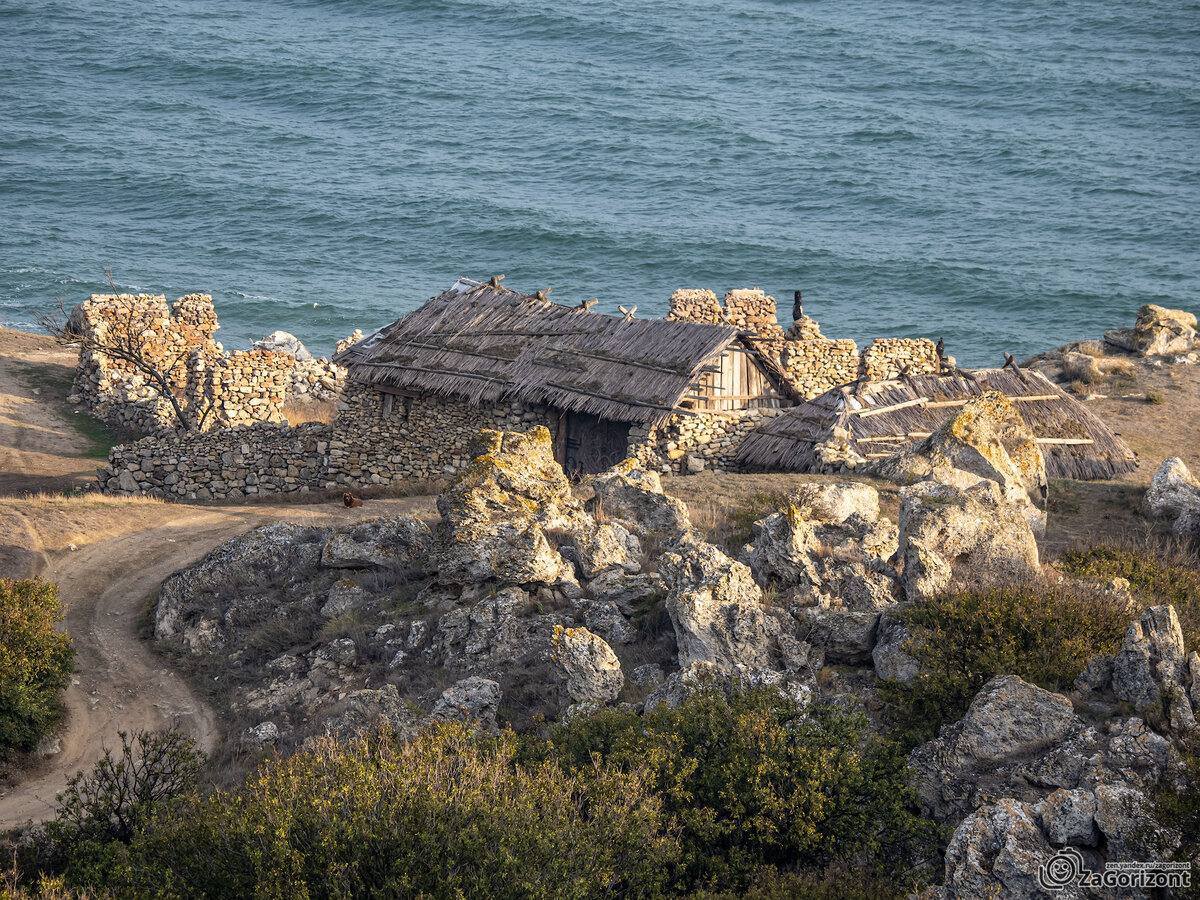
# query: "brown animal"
350,500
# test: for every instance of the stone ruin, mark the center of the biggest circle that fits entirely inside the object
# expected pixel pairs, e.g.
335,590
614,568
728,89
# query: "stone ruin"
812,362
214,387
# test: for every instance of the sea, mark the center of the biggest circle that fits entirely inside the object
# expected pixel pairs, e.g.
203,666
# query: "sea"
1007,175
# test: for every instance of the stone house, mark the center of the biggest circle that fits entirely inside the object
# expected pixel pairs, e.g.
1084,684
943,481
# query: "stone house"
607,386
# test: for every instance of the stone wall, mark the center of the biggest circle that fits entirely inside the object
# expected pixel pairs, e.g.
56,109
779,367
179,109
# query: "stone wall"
214,387
417,438
685,445
889,357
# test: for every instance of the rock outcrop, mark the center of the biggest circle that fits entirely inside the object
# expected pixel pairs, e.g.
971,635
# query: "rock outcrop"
1174,494
952,539
1157,332
988,440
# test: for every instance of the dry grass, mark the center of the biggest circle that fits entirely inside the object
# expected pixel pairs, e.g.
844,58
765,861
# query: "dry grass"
40,500
297,412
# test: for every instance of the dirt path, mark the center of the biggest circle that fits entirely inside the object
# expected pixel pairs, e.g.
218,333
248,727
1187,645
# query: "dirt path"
120,685
40,448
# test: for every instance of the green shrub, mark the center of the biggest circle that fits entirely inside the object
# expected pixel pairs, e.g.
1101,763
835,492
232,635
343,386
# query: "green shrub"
444,815
1178,809
36,662
107,807
752,784
1156,575
1044,634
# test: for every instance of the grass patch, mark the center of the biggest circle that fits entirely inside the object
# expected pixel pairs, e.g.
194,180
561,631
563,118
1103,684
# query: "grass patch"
55,383
1155,398
732,527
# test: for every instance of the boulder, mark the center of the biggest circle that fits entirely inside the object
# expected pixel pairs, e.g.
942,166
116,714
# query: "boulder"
473,699
782,549
1011,717
508,552
1163,332
847,637
345,594
1069,817
715,607
609,546
836,503
970,539
987,439
1173,491
629,494
996,852
398,543
284,342
592,669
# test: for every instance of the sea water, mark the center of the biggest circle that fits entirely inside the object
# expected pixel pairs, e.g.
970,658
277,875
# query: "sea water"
1006,175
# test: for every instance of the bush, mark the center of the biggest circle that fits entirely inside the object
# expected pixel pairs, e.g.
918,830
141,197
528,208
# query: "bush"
110,805
35,662
1157,574
753,784
1044,634
1178,809
444,815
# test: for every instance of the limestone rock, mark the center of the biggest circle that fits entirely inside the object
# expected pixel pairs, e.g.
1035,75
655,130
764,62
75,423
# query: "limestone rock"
1163,332
782,548
988,439
473,699
1010,717
836,503
262,734
284,342
592,669
892,660
345,594
715,607
1150,666
969,539
399,543
1173,491
1069,817
508,552
846,637
632,496
609,546
996,852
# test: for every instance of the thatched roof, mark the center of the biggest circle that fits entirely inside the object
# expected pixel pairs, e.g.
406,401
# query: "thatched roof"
886,416
483,342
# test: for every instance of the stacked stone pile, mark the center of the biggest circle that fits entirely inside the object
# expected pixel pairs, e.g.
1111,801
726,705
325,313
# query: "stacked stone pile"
239,389
687,445
752,310
888,358
815,366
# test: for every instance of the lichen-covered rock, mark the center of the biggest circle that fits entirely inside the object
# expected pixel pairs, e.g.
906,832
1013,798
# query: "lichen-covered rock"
846,636
398,543
1069,817
1173,491
1150,668
473,699
609,546
988,439
1163,332
996,852
715,607
592,669
632,496
197,607
345,594
951,540
782,549
508,552
1011,717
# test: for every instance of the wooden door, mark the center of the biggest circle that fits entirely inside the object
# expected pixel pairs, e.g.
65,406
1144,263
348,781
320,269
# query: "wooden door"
591,444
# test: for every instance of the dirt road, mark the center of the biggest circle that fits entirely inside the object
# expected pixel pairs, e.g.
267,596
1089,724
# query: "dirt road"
120,685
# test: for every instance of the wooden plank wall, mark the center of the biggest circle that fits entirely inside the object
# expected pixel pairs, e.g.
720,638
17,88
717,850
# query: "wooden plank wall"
740,384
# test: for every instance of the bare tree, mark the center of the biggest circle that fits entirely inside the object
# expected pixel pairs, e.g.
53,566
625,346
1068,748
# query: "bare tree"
128,337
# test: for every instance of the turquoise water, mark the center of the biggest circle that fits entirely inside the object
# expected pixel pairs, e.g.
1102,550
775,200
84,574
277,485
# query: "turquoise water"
1008,175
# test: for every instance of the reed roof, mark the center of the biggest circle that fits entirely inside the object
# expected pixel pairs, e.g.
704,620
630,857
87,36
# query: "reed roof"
482,342
884,417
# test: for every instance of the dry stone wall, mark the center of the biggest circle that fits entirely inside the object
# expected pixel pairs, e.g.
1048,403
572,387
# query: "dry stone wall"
414,438
890,357
686,445
215,388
